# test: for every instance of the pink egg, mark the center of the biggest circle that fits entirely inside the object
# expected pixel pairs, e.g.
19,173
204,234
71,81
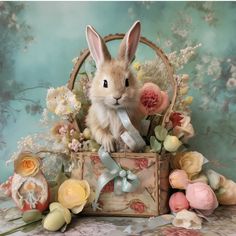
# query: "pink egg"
178,202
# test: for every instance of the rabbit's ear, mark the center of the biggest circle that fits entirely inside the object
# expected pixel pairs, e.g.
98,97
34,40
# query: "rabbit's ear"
97,46
130,42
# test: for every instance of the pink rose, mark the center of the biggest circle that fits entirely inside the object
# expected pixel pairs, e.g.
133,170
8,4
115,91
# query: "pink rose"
152,99
141,163
201,197
137,206
178,202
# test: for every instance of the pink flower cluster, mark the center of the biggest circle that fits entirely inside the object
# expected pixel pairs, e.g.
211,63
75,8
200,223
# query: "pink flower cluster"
198,195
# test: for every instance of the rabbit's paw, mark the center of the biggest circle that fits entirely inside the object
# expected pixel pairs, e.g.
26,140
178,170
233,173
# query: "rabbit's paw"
108,142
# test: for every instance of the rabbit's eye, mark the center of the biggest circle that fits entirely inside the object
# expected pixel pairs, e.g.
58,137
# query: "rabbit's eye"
105,84
126,82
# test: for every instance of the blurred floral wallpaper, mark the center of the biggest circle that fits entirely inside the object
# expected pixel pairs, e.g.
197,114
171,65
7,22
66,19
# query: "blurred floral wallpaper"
39,41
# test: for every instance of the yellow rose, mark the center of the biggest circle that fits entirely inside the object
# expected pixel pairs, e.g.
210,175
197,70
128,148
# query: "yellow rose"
27,165
73,194
171,143
191,162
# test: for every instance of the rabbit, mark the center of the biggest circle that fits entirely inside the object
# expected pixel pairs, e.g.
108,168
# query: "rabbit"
114,86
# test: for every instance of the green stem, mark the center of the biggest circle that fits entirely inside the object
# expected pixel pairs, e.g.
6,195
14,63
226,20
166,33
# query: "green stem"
18,228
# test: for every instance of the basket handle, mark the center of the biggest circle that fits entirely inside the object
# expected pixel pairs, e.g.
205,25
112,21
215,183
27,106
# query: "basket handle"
145,41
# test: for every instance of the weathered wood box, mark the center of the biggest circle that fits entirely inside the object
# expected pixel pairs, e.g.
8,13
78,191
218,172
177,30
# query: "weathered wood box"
151,197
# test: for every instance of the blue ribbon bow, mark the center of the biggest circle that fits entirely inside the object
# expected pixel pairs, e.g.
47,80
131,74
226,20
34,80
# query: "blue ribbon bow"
124,180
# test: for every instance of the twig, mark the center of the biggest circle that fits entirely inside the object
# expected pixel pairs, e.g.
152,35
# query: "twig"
31,88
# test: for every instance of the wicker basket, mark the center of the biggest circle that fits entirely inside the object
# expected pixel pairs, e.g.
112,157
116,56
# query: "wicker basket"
152,198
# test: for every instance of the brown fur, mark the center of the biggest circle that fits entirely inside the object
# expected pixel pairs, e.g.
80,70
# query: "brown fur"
102,118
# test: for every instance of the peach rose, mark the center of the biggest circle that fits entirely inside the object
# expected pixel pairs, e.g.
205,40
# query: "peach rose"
178,179
191,162
152,99
27,165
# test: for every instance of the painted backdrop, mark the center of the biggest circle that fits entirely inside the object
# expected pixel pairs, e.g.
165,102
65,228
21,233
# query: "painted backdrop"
38,41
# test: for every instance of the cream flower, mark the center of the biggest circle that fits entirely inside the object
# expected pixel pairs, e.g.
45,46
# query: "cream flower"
62,101
185,130
171,143
187,219
191,162
225,189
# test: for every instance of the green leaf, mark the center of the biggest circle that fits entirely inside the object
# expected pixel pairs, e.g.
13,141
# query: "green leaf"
155,145
160,132
21,228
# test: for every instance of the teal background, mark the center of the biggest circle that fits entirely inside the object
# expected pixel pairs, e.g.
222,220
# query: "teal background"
38,41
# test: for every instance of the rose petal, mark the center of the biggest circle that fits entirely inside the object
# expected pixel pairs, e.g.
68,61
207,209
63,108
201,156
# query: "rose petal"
165,102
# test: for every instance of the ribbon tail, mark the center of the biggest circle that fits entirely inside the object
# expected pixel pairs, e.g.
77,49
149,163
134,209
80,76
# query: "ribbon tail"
132,131
129,186
107,160
102,181
118,186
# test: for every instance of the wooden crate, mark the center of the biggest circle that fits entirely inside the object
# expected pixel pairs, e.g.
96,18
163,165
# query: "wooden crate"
150,199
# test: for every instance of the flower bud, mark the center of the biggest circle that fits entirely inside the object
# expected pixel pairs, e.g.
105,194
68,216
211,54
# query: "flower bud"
188,100
87,134
57,217
172,143
178,202
201,197
178,179
185,77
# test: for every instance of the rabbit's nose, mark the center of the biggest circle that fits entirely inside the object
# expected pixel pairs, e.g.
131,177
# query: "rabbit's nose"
117,98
